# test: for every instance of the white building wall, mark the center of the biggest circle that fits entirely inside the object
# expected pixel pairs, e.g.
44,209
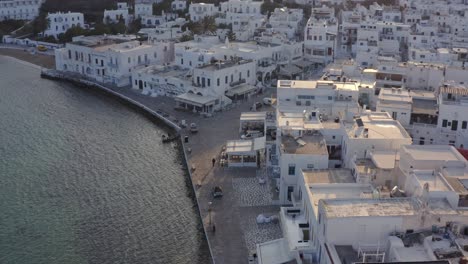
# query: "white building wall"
19,9
143,9
61,22
301,162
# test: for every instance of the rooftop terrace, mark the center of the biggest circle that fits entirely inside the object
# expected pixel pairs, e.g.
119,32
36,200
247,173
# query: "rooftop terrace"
307,144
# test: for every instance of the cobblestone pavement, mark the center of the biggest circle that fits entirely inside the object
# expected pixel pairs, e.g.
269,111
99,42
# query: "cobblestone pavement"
258,233
250,192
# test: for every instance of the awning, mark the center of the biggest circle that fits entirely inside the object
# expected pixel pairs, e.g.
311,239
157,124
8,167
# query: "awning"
273,252
240,90
290,70
245,146
428,107
195,99
253,116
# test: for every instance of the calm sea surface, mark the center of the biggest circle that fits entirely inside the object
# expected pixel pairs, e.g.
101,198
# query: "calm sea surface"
85,179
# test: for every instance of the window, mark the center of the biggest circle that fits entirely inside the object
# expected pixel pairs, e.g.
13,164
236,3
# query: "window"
298,103
330,98
292,169
182,61
248,73
290,191
307,103
226,80
454,125
444,123
394,115
464,124
217,82
208,81
310,166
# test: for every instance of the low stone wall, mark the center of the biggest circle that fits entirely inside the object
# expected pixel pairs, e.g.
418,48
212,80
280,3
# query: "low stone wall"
56,75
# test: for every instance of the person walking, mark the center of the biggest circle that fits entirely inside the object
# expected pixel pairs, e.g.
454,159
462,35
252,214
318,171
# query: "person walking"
213,161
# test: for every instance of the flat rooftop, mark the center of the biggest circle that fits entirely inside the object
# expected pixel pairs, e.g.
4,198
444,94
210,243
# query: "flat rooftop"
298,121
432,153
223,65
164,71
328,176
376,126
305,145
339,208
385,159
434,180
338,191
395,95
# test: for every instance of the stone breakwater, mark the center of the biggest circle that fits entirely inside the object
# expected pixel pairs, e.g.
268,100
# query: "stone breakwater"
56,75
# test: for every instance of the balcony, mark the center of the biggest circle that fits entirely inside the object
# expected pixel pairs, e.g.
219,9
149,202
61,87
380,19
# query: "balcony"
295,228
239,82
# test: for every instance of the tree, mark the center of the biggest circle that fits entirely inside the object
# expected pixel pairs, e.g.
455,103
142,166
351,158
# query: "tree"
186,37
209,25
231,35
70,33
135,26
268,7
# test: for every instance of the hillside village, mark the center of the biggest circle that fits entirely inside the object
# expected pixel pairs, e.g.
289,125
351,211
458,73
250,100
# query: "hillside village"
364,146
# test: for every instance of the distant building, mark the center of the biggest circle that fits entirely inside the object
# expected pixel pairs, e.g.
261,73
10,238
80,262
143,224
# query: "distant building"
114,16
19,9
61,22
179,5
198,11
108,59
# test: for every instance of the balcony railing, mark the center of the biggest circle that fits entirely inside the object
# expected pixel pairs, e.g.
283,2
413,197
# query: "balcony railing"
239,82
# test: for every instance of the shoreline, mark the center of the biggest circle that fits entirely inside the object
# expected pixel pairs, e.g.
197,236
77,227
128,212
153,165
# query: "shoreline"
38,59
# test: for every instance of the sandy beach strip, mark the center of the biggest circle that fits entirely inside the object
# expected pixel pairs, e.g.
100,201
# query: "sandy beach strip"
41,60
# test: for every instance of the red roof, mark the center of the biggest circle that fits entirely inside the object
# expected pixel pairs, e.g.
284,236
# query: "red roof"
464,152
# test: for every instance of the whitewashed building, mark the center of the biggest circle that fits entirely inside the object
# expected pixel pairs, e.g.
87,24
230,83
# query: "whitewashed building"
114,16
320,40
179,5
286,21
198,11
336,220
19,9
215,85
143,9
108,59
61,22
397,103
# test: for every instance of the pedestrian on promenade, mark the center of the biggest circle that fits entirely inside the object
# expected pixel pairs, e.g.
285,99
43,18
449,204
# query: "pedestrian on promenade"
214,229
213,161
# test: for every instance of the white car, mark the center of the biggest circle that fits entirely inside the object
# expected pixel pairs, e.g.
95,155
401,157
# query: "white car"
267,101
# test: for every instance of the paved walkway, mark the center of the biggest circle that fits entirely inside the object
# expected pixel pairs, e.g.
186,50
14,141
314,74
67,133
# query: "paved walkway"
234,215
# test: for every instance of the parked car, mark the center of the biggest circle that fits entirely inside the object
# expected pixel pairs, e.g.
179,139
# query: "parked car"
267,101
256,106
252,134
193,128
217,192
41,48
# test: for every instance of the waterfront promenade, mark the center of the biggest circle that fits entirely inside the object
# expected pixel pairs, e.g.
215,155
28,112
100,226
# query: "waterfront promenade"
234,215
